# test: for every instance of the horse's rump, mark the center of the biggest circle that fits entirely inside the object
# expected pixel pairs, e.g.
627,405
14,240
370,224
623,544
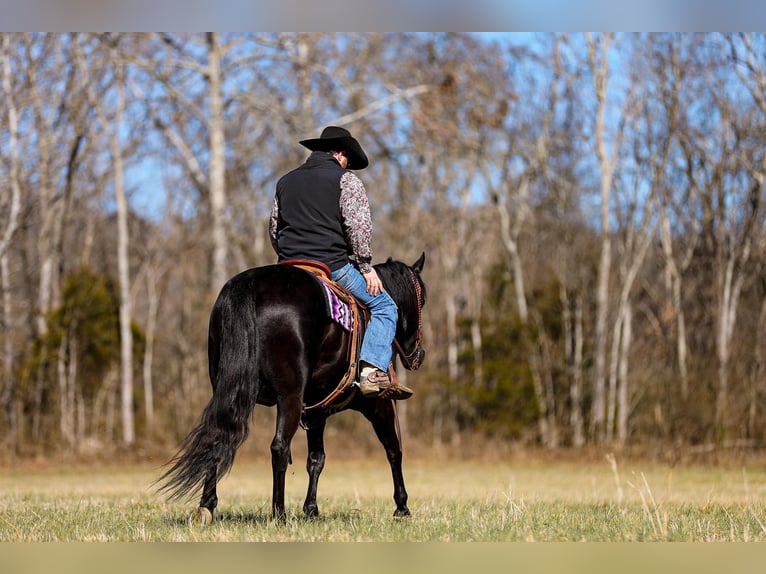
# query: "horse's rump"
296,339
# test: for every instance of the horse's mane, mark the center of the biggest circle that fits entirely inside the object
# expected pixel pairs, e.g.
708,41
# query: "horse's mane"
396,277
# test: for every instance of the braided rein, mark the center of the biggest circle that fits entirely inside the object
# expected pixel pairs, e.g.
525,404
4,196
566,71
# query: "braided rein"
411,361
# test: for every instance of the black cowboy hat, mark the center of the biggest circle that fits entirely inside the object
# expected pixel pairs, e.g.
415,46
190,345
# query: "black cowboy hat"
334,138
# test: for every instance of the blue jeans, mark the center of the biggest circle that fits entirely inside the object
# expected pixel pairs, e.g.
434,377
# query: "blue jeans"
379,337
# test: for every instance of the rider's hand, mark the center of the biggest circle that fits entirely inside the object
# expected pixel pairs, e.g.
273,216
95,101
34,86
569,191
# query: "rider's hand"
374,285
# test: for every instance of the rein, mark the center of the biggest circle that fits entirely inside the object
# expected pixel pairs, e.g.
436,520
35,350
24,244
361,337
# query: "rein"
411,361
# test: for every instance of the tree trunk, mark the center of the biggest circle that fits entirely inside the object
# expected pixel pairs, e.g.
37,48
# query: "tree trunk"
109,418
71,393
476,343
50,209
123,268
623,391
573,350
453,398
599,68
151,327
730,289
512,250
8,391
551,437
614,358
675,286
217,165
758,371
66,368
602,311
633,254
8,388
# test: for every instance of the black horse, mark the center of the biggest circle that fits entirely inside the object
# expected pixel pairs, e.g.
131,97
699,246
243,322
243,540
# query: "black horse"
270,342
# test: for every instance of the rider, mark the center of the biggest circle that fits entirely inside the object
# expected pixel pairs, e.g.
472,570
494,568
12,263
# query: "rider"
321,212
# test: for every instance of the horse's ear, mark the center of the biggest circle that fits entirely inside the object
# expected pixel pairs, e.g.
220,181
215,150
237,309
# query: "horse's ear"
418,265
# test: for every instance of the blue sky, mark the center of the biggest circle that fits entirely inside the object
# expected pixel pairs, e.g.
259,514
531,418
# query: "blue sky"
393,15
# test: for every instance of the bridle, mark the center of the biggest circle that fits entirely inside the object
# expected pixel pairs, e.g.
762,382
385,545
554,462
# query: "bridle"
411,361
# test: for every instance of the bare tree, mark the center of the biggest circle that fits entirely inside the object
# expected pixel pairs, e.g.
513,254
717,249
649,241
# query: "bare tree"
123,263
621,233
11,208
749,63
179,63
110,126
731,212
13,204
599,49
572,249
675,192
217,161
510,192
634,213
56,149
572,317
637,222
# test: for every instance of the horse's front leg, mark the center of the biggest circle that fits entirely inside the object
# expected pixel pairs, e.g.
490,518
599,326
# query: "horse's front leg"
314,466
288,418
382,415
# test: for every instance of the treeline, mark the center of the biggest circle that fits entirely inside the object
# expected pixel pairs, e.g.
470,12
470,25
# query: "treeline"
591,208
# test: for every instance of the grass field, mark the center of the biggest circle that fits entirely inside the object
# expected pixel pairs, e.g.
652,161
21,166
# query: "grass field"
598,500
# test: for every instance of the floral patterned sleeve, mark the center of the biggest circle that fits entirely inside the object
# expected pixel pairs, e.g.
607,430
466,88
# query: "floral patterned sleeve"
355,209
273,224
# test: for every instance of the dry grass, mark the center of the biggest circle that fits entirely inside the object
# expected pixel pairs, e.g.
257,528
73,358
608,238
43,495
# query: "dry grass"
521,499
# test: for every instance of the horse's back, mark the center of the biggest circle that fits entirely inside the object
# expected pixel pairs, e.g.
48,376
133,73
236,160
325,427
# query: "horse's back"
282,301
273,288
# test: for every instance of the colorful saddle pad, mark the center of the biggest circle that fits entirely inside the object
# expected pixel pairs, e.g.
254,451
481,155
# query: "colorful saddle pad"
339,311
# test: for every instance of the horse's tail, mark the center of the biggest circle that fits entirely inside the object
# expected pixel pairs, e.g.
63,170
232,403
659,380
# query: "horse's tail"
209,448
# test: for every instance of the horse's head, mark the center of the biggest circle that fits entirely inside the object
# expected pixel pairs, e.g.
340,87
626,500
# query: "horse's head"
406,287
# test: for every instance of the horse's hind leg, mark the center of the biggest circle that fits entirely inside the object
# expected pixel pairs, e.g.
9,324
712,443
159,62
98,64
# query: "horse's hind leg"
314,466
382,415
203,515
288,418
209,498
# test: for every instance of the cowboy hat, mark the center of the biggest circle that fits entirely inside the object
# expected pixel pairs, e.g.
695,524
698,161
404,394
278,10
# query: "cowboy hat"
334,138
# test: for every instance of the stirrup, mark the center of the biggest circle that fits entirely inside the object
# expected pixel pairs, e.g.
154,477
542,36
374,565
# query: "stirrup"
378,377
397,393
373,382
369,389
379,384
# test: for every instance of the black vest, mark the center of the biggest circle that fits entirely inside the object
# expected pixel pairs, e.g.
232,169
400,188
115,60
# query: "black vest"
310,224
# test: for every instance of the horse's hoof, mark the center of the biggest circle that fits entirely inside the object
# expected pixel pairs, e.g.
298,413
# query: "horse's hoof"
402,512
311,511
200,517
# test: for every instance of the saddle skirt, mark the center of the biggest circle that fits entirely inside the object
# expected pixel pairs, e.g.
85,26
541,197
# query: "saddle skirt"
337,310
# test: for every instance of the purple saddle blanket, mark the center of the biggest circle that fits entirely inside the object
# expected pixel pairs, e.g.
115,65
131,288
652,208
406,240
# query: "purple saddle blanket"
338,310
